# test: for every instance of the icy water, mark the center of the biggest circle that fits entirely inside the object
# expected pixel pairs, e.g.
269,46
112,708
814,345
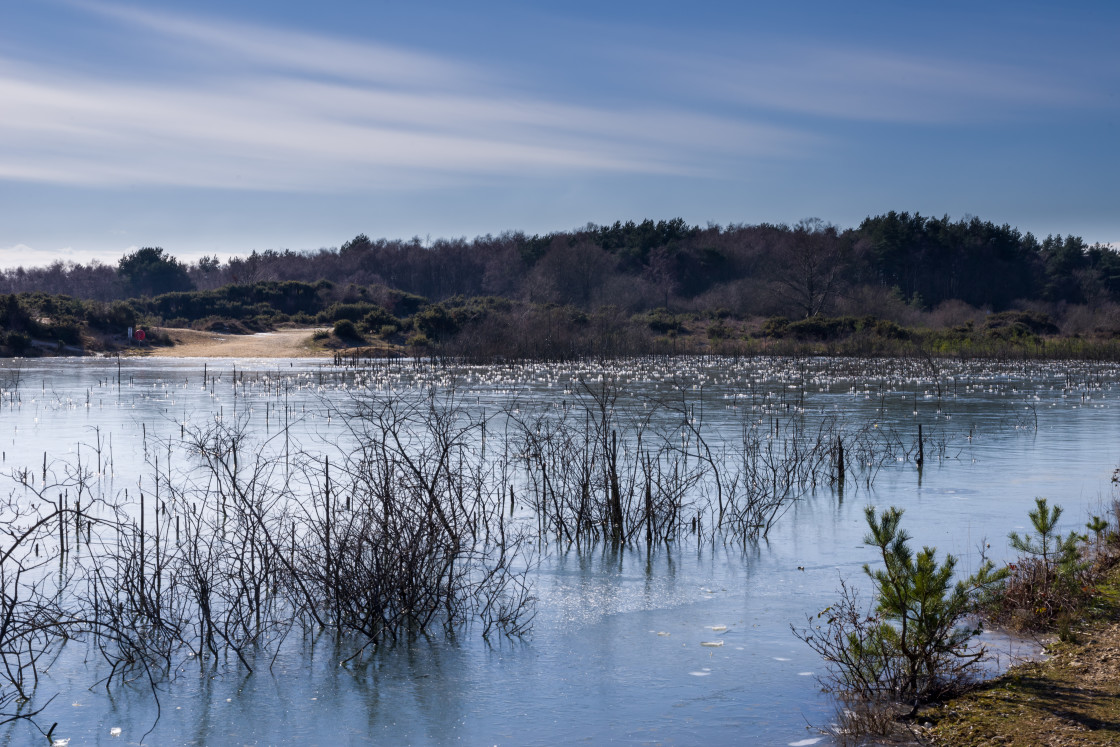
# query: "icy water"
615,652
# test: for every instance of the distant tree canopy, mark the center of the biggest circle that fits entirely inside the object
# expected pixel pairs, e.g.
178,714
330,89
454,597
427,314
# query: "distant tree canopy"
930,260
899,261
633,242
150,272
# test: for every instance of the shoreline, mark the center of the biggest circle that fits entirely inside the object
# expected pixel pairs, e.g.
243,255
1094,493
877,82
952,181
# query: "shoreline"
1069,697
320,342
1072,697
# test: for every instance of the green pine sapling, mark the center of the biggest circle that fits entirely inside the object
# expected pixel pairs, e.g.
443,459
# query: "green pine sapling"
915,646
1059,555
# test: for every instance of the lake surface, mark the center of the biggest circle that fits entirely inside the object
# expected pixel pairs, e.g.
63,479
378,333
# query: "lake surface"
615,651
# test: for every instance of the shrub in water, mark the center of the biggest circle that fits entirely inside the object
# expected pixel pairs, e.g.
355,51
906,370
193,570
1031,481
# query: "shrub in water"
913,646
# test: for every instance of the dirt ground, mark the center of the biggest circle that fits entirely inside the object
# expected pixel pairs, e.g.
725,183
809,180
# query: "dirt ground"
1072,698
283,343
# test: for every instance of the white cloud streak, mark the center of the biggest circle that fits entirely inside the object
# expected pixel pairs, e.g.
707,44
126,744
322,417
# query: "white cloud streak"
876,85
240,106
294,51
293,111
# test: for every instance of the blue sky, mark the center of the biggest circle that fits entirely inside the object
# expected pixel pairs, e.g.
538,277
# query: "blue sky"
212,127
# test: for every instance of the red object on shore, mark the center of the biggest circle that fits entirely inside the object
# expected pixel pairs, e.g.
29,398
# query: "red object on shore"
139,335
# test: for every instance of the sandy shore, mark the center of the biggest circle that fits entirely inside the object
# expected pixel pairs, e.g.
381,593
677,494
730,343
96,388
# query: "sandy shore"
284,343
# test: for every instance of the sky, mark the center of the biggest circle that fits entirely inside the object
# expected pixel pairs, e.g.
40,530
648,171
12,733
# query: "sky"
219,128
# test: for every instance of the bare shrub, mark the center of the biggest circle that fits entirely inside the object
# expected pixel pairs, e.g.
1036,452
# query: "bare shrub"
954,313
230,544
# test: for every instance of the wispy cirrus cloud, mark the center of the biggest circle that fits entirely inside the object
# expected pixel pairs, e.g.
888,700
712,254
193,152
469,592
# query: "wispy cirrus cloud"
247,106
832,80
300,53
275,109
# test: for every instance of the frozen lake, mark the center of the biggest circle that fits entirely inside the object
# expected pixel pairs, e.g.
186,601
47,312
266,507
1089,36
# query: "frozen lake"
615,649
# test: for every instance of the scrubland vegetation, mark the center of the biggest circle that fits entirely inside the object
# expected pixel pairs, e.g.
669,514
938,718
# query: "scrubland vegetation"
897,284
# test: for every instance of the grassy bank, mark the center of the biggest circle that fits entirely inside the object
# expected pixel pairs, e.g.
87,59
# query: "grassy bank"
1071,698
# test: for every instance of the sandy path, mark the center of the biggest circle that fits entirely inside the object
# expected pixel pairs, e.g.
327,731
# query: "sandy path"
284,343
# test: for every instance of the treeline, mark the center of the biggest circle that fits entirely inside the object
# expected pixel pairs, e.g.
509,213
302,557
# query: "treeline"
906,269
757,269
